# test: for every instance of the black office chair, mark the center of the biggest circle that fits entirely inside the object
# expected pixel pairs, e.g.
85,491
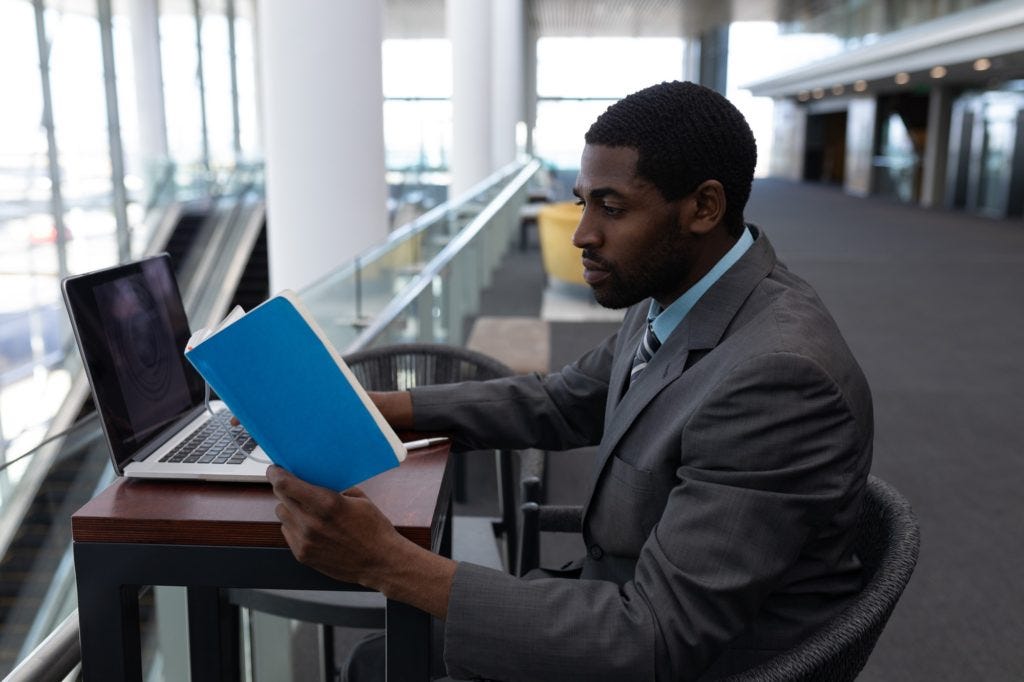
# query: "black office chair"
887,543
888,539
391,368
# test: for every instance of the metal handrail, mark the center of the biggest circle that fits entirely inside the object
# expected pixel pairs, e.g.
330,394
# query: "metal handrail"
55,657
418,225
92,416
426,276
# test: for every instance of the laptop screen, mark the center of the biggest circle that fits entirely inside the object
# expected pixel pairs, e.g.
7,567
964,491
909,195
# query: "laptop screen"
131,329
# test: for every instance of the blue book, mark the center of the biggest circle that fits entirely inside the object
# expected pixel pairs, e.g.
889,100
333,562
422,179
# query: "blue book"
278,373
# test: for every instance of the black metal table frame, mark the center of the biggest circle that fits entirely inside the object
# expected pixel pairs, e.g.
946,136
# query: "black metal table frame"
110,575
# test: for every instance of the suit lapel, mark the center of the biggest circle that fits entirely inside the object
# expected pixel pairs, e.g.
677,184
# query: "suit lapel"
702,329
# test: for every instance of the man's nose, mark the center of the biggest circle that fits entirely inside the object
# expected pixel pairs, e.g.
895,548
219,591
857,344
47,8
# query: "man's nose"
584,236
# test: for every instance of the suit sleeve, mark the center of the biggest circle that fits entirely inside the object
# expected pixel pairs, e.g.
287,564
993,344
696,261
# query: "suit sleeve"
763,464
554,412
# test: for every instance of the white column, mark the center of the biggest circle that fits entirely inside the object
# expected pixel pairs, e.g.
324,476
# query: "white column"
507,80
143,16
324,135
936,147
691,58
529,83
860,145
469,29
788,140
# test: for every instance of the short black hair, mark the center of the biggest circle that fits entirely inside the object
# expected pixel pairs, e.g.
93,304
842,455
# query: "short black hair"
684,134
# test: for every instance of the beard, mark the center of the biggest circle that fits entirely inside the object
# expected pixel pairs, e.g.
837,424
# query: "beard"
660,270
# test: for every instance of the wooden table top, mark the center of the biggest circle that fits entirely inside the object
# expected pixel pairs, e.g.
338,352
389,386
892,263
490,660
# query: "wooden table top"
412,496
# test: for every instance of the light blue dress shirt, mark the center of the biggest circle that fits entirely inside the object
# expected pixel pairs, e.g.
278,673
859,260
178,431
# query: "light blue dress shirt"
664,322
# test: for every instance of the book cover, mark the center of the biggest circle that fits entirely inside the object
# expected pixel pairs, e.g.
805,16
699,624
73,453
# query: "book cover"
278,373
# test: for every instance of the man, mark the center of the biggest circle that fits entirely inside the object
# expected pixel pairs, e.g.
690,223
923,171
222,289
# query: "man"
734,434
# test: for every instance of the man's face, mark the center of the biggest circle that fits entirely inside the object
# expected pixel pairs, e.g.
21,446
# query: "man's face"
634,241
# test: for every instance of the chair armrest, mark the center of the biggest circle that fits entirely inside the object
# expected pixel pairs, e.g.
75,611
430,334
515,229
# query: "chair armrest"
532,466
560,519
546,518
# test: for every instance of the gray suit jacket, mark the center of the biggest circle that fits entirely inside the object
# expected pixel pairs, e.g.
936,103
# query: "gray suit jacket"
729,479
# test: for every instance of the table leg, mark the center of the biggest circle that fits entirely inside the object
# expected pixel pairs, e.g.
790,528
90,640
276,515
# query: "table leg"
445,548
108,617
409,629
213,637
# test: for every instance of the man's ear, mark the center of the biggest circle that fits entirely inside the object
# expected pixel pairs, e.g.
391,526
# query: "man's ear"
707,204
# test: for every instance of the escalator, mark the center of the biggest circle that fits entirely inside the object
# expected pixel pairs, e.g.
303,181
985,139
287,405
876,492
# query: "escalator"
191,221
218,248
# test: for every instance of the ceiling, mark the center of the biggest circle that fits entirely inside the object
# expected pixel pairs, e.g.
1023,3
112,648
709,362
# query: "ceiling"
993,29
905,61
649,18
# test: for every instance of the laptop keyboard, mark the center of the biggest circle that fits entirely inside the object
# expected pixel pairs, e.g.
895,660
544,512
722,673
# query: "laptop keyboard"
215,442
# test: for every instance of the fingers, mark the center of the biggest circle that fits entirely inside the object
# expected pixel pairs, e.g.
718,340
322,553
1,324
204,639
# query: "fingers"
354,492
291,489
285,481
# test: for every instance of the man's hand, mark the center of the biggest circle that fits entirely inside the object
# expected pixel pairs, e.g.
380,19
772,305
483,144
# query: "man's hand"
345,536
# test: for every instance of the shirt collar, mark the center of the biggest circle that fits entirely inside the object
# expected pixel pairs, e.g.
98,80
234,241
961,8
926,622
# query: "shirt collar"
664,322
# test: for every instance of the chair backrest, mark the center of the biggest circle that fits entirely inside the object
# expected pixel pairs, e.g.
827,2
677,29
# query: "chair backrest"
403,366
887,542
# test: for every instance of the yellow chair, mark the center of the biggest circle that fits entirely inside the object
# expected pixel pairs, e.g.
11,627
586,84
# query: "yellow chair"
555,225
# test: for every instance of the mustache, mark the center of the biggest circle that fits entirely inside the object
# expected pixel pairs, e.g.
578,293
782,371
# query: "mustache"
602,263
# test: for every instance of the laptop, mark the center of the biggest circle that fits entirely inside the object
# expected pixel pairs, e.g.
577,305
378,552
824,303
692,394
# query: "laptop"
131,329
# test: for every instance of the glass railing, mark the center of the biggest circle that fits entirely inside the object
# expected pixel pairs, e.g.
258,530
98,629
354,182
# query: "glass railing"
417,286
37,570
177,185
67,466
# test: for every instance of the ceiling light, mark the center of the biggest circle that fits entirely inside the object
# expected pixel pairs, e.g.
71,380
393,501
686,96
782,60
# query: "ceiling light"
838,89
818,93
938,72
860,86
902,78
982,64
803,96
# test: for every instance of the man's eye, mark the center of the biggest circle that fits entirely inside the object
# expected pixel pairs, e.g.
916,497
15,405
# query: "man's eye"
580,202
612,211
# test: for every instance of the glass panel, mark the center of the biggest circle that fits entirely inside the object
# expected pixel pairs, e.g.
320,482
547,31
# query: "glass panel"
416,68
217,82
607,68
333,302
80,122
417,82
414,325
180,64
561,125
346,301
33,328
417,136
124,68
27,261
43,596
1000,125
898,159
245,65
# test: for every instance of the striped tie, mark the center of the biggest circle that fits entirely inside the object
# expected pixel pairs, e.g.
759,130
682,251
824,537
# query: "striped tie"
644,352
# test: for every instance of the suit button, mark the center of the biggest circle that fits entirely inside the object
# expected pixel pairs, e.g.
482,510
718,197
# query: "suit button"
596,552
